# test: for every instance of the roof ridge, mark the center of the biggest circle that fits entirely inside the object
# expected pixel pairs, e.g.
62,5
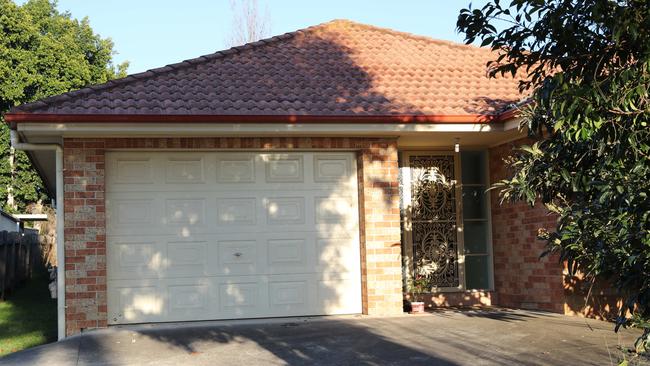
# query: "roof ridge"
60,98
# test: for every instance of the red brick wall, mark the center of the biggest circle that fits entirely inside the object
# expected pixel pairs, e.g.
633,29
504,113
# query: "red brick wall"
85,235
85,226
521,278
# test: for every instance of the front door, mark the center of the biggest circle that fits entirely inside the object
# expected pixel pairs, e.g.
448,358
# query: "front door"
431,202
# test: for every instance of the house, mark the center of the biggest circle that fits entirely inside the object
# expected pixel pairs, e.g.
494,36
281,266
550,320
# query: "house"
312,173
8,222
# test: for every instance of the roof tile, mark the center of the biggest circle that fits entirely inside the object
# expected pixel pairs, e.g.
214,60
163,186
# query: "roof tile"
337,68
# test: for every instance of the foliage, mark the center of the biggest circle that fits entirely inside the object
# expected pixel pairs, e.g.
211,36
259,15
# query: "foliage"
587,66
418,285
25,182
43,52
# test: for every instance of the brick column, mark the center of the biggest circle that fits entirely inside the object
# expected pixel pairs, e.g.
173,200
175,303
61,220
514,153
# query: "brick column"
379,203
85,238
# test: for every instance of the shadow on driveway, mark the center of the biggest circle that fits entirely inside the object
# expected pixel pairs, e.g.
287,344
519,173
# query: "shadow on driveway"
442,338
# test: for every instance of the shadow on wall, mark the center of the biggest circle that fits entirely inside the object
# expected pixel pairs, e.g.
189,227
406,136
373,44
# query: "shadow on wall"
464,299
599,301
515,228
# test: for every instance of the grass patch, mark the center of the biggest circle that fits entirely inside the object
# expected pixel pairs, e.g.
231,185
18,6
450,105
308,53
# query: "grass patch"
28,315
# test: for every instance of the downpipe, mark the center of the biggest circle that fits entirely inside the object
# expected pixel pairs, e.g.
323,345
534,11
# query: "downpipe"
60,246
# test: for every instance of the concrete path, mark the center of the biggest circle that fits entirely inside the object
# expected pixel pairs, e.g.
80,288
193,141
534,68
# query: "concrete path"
503,337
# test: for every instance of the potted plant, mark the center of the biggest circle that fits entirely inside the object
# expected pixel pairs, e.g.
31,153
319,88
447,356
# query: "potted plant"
418,286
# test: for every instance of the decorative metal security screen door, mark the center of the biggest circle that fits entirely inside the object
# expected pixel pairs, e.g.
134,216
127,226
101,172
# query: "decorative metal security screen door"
431,202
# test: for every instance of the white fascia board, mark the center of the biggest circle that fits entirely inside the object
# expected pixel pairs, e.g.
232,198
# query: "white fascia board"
206,129
511,124
31,217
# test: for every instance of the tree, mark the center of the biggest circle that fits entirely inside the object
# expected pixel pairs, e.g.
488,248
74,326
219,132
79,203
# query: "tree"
248,25
43,52
587,64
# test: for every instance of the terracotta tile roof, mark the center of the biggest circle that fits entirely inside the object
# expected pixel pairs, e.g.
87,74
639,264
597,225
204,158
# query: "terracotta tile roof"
340,68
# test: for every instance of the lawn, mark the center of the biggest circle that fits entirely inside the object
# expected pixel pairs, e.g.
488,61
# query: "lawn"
28,316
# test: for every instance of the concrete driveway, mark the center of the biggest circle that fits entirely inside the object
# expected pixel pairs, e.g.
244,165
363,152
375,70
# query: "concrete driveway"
494,337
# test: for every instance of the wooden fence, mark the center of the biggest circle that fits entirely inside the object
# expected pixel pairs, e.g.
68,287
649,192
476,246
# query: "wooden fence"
19,254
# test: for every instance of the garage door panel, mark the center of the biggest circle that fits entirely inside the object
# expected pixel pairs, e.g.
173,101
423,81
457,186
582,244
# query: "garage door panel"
335,255
188,212
288,297
187,259
136,211
136,258
331,295
136,301
237,210
232,297
234,169
159,256
239,294
151,213
193,213
132,170
285,168
242,297
287,253
188,298
290,253
239,257
185,211
189,301
221,255
285,211
326,231
332,168
135,171
185,169
213,235
336,216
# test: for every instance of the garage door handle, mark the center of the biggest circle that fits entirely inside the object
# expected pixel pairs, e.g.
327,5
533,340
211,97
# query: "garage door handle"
237,254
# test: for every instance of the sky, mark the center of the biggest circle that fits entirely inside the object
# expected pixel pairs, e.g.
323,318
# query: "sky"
154,33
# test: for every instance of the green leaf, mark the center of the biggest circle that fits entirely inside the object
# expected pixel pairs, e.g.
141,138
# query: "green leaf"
487,41
587,69
43,52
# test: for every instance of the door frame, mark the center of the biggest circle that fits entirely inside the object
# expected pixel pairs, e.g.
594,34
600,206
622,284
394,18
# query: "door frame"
407,231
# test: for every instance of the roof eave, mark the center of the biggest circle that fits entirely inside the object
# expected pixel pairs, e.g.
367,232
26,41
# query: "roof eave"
15,118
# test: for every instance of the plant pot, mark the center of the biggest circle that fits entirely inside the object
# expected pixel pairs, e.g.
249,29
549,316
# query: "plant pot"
417,307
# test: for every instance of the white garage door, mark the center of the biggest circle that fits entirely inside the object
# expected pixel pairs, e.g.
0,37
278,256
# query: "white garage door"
215,235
